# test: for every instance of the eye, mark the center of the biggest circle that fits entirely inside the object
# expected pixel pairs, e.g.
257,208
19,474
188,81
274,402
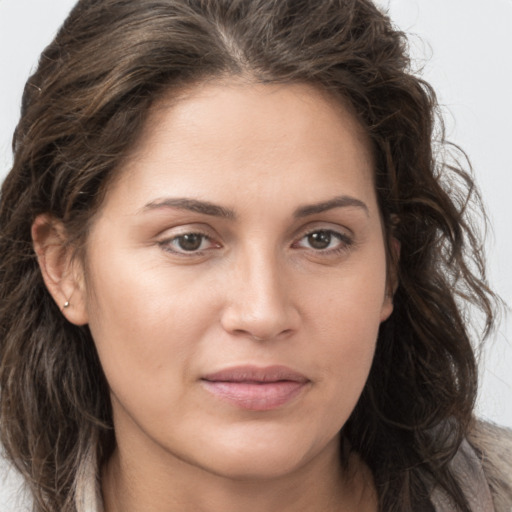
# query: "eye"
325,240
189,243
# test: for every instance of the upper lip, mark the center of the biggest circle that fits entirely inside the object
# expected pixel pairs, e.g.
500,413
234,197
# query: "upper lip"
250,373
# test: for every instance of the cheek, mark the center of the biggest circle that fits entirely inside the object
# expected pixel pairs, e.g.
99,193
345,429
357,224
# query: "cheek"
348,349
346,314
146,326
347,360
352,300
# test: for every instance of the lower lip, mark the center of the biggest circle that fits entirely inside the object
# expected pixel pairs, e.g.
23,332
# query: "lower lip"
255,396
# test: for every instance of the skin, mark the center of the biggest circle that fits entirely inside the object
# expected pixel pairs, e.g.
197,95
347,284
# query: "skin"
287,167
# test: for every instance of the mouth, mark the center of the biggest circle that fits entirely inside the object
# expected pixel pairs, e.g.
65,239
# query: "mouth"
254,388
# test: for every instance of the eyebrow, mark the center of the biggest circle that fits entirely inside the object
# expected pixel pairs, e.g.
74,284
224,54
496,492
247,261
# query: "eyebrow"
192,205
336,202
207,208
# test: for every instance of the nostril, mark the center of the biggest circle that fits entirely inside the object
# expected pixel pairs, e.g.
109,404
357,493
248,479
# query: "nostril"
263,314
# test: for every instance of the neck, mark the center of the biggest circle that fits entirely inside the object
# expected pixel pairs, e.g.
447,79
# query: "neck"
132,484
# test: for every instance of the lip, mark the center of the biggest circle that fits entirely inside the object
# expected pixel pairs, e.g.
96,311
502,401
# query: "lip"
256,388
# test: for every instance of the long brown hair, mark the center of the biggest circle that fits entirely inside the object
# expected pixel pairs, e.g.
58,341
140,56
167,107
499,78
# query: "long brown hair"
82,111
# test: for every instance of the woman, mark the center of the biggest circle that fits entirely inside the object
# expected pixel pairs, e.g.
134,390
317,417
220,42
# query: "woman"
233,275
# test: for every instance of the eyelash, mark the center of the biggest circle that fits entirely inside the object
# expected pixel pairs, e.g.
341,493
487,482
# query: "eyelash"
345,242
168,242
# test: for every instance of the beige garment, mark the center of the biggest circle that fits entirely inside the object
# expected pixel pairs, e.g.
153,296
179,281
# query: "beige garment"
88,497
493,446
469,472
483,467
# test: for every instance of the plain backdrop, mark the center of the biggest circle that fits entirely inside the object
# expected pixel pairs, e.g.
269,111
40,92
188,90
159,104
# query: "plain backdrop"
463,47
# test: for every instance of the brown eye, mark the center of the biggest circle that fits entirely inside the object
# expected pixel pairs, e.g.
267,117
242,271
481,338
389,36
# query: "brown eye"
189,244
324,241
190,241
320,239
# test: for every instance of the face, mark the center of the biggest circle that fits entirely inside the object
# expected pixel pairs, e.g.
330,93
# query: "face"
236,280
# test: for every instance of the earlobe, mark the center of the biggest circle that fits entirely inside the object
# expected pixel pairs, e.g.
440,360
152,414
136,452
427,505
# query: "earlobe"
62,274
387,307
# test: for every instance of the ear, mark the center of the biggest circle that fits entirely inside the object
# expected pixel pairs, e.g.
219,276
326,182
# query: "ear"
392,278
62,273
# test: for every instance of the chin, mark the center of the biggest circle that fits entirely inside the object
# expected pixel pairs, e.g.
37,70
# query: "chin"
267,458
259,466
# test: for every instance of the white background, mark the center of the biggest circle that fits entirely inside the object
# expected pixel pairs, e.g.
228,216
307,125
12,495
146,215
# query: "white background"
465,47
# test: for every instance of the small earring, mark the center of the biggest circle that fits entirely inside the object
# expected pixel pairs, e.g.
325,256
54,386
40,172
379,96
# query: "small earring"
66,304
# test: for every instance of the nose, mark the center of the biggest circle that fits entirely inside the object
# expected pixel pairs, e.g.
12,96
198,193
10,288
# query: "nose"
259,300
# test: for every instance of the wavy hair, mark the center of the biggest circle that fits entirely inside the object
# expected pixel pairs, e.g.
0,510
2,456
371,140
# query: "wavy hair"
82,111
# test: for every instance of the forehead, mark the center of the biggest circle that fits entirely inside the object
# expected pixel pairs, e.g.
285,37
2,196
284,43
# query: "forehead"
251,108
252,136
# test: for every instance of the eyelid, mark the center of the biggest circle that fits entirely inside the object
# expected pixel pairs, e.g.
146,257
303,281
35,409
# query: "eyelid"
345,237
314,226
165,241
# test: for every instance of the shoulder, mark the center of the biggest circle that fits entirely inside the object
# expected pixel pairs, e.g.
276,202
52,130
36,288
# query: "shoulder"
493,446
